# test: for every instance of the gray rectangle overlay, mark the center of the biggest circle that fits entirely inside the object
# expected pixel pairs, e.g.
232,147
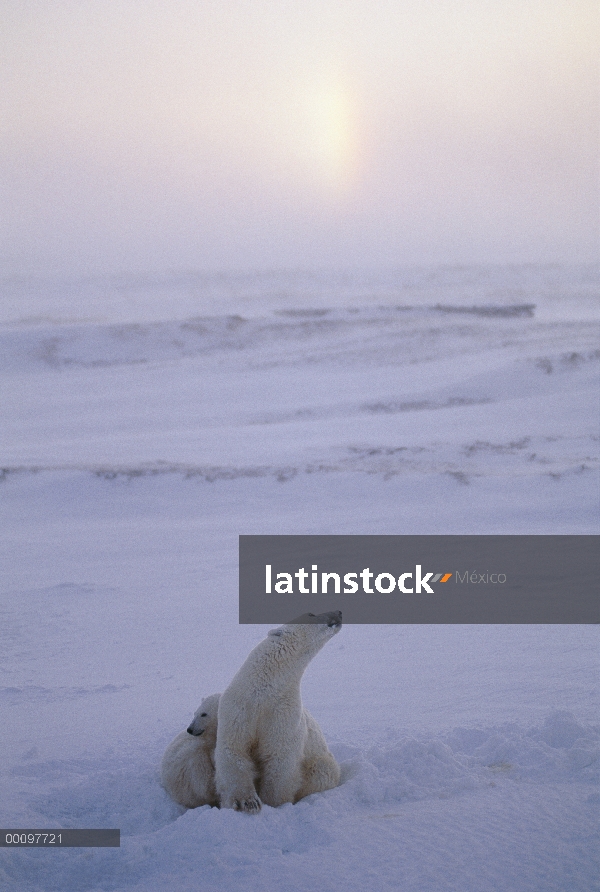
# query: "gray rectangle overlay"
421,579
59,839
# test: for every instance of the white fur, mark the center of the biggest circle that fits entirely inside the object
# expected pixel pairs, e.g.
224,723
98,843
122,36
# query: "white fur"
269,748
188,765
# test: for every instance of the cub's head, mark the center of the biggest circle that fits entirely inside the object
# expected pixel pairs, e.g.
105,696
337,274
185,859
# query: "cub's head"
204,723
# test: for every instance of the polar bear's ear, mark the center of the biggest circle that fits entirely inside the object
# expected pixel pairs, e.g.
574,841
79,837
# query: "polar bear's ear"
275,633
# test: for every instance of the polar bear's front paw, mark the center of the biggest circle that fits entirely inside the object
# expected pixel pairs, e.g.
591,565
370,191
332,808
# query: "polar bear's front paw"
250,806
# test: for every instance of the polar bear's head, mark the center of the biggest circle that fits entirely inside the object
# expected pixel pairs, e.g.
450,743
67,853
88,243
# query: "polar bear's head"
328,621
307,633
204,723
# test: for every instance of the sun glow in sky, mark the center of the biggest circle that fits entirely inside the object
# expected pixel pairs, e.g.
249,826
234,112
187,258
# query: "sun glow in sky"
333,137
239,134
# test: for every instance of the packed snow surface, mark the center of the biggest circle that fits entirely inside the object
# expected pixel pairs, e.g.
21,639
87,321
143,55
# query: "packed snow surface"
147,423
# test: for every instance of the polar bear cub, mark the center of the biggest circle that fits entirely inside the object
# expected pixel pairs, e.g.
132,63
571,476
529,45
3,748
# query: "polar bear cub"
188,765
269,748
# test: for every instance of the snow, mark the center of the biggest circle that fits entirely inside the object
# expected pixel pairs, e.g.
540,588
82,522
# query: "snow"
145,426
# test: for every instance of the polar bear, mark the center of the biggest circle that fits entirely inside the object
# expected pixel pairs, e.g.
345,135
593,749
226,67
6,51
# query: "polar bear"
188,767
269,748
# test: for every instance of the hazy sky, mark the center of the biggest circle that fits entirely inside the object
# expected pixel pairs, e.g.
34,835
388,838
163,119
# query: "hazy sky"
265,133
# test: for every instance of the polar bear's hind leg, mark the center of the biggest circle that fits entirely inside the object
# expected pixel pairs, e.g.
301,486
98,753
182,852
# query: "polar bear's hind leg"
280,780
318,774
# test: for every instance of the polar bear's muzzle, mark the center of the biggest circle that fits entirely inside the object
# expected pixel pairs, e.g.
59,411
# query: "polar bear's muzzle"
335,619
191,730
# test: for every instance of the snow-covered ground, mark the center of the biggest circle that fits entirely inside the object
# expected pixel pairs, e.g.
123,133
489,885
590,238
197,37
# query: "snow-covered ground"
146,424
